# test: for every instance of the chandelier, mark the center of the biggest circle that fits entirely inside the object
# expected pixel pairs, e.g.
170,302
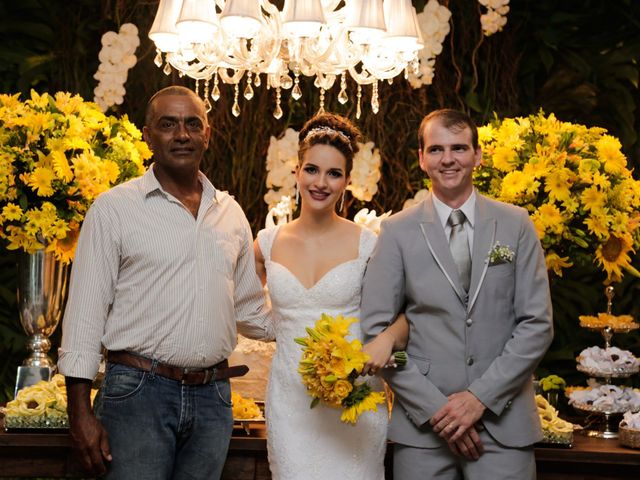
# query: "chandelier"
246,42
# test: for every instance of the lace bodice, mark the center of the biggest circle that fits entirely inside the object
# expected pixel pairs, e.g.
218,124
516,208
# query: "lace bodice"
314,444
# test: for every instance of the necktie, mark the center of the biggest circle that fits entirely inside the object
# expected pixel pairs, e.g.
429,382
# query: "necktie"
459,245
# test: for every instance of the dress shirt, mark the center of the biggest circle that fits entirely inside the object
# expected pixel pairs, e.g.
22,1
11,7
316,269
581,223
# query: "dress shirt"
151,279
468,208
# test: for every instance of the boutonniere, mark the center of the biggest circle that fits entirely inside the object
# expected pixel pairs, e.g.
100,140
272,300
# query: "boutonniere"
500,254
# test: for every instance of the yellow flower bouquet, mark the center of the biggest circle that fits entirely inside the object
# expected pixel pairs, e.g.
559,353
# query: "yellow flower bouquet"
57,153
574,182
329,368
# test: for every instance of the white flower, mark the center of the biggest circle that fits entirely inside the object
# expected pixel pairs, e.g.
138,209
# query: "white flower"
500,254
434,25
496,17
116,58
282,159
281,213
419,196
369,219
365,172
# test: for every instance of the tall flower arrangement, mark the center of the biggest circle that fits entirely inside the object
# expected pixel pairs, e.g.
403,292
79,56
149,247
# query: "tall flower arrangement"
57,153
574,182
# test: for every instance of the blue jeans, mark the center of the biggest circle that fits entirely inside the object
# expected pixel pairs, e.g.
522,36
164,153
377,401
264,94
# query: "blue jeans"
160,429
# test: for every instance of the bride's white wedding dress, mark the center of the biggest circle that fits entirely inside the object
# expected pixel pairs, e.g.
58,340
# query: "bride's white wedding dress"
313,444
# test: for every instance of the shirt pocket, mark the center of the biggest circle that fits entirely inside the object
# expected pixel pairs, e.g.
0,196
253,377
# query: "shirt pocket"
222,250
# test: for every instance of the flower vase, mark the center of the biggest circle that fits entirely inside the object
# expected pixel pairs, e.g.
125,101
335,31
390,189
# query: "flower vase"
552,397
42,293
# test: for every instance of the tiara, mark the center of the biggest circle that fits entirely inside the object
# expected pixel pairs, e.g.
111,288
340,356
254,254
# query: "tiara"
325,129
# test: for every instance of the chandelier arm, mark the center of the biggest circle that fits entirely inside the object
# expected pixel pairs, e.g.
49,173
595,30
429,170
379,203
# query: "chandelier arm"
362,78
230,79
195,69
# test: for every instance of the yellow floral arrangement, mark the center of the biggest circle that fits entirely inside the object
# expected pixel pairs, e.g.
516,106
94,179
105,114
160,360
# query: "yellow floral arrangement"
554,429
574,182
329,368
42,405
245,408
57,153
603,320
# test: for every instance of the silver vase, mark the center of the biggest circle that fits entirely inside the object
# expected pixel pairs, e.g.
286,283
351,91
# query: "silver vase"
42,293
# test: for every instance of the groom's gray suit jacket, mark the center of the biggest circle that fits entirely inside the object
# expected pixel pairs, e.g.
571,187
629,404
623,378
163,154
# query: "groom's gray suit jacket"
488,343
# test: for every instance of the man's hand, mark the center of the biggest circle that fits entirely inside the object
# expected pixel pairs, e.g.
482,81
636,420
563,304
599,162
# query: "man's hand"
89,439
457,416
468,445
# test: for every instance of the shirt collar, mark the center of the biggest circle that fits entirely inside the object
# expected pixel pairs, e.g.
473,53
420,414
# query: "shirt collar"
150,184
444,210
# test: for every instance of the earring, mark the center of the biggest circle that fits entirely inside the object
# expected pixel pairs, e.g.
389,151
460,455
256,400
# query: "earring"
297,195
341,206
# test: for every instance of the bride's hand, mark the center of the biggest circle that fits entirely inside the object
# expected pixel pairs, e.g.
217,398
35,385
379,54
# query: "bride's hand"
380,349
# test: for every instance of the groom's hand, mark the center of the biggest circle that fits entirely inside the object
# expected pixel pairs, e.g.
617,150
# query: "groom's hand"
457,416
468,445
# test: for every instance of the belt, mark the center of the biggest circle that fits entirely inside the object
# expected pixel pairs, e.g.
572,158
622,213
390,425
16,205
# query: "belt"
187,376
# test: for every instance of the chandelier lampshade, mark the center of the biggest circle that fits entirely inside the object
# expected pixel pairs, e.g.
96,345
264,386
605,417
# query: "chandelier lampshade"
365,20
241,18
164,32
303,18
197,22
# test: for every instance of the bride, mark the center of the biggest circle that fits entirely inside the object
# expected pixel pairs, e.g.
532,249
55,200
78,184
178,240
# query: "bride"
314,265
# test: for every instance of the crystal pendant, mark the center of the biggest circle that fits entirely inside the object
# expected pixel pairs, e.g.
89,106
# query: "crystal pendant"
235,110
215,94
158,59
342,96
197,89
167,69
207,103
321,109
248,92
375,103
277,113
286,82
296,93
256,81
359,102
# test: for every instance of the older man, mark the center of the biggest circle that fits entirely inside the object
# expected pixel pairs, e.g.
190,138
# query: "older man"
164,271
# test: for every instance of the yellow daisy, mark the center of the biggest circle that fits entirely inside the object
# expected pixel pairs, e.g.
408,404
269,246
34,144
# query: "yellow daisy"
556,263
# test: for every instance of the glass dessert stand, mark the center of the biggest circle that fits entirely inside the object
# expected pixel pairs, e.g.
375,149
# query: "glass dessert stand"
603,420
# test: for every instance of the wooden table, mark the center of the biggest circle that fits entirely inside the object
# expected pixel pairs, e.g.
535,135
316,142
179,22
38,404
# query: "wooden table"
48,454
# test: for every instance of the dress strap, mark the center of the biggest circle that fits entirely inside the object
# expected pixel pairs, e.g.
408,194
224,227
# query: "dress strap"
265,240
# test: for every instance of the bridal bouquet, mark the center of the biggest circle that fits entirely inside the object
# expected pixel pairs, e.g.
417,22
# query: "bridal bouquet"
329,368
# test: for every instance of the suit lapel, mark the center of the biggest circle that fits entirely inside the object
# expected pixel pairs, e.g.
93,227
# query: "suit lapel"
439,247
484,232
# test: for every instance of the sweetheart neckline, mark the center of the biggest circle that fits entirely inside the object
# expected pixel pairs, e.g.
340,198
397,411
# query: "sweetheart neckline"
320,279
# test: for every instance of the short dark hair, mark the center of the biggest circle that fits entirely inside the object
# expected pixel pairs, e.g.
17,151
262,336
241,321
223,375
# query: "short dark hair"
168,91
451,119
330,129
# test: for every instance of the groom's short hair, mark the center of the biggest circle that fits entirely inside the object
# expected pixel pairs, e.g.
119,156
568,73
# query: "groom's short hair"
452,120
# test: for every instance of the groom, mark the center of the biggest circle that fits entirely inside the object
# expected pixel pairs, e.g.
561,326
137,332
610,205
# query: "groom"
470,274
